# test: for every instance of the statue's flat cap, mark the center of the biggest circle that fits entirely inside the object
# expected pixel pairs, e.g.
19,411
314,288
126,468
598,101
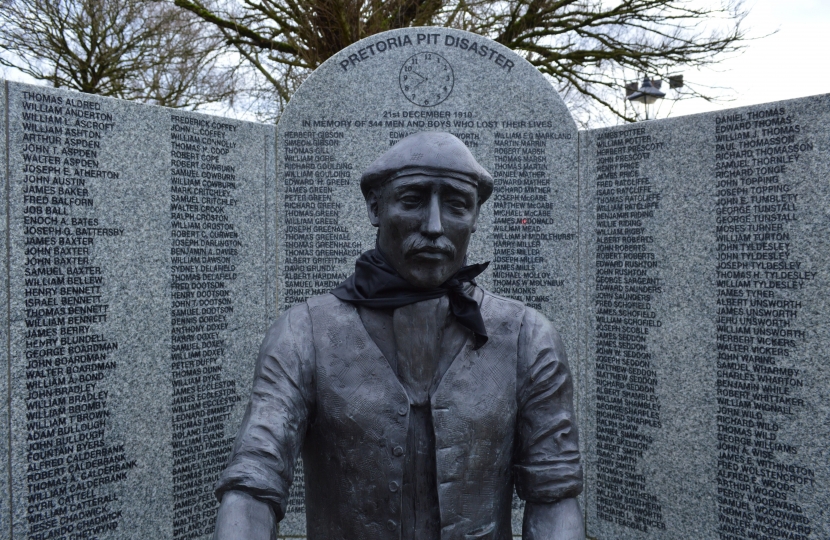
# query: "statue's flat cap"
432,153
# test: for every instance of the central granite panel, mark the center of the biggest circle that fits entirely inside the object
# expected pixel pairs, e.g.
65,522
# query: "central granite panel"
379,90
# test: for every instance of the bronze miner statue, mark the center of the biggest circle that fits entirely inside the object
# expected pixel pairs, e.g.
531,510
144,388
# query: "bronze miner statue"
417,398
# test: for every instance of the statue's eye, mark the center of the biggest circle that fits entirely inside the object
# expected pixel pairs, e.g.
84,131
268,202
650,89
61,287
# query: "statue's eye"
410,200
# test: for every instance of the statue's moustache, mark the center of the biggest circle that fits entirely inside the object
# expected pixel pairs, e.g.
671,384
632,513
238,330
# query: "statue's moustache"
416,244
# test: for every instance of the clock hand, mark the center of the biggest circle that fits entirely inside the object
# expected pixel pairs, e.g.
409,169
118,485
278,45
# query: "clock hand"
419,84
419,75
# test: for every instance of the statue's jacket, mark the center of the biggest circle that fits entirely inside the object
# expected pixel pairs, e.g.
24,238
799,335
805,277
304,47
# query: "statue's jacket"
502,416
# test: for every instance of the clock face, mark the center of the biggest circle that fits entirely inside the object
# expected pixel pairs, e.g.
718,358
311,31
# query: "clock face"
426,79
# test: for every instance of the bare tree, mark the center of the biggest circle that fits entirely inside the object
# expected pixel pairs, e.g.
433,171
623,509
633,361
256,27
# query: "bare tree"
588,48
143,50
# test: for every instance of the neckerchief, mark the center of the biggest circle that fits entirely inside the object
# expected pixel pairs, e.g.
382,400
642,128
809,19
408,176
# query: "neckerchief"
375,284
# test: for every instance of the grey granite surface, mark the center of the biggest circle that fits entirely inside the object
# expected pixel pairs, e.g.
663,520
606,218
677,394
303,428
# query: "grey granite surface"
706,260
714,442
383,88
141,282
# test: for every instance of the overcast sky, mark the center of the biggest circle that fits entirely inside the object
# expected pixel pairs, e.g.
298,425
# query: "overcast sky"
793,62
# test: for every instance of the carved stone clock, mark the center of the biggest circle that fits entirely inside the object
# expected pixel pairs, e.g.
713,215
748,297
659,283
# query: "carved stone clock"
426,79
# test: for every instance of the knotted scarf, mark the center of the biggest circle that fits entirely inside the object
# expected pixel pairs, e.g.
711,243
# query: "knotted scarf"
375,284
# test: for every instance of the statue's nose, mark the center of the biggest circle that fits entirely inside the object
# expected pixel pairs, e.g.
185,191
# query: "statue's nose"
432,226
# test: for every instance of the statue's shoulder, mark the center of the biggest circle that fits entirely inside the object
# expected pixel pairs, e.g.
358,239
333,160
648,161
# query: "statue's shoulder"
292,319
323,301
294,328
496,306
509,308
298,318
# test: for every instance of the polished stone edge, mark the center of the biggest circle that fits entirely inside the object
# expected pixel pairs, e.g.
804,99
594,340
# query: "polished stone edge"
270,195
580,369
5,361
584,324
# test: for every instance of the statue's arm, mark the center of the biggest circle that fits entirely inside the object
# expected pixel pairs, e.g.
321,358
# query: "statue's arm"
244,517
253,489
556,521
547,470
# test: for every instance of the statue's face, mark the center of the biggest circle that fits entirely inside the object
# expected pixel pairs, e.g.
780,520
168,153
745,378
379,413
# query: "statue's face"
424,225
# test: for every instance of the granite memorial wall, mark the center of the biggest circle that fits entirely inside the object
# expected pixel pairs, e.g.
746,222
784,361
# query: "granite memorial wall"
686,267
140,280
383,88
705,252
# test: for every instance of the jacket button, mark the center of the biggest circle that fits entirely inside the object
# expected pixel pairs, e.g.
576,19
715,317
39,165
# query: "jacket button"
393,486
391,525
397,451
402,410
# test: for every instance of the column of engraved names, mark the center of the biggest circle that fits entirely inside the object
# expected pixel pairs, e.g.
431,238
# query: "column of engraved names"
522,214
627,282
70,462
318,248
205,248
759,295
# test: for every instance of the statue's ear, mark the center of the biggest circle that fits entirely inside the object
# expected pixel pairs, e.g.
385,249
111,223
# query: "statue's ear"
372,207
